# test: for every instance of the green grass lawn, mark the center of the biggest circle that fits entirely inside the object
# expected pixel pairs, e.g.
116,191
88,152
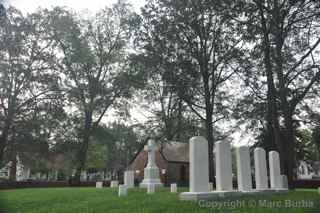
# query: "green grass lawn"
85,200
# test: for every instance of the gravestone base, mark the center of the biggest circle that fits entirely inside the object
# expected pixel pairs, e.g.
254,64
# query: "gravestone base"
146,182
151,177
196,196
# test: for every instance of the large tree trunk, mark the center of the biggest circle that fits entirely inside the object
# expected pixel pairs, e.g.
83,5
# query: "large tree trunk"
210,138
13,168
289,143
209,99
287,147
4,140
2,147
82,154
273,126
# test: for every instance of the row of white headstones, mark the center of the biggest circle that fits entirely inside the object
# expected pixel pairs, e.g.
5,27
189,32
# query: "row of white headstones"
199,168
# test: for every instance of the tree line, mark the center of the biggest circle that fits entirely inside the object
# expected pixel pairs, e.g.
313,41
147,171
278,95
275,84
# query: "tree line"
199,67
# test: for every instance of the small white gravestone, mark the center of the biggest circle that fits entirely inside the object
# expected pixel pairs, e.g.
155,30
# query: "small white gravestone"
244,169
151,188
151,172
319,190
173,188
260,167
210,186
223,166
99,184
129,179
114,183
274,166
199,164
284,182
123,190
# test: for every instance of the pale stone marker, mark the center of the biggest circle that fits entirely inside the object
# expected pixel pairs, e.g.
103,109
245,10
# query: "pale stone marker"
114,183
284,182
210,186
151,188
260,167
123,190
99,184
173,188
223,166
244,169
151,172
129,178
274,166
199,164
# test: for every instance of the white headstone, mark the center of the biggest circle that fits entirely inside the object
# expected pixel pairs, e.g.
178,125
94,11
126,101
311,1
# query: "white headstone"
151,188
114,183
151,172
274,166
284,182
123,190
129,178
223,166
210,186
83,176
244,169
260,167
199,164
173,188
99,184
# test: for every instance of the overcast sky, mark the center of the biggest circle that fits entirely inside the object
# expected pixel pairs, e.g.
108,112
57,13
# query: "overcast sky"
78,5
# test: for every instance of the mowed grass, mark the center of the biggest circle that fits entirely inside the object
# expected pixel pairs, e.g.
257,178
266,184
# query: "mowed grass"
92,200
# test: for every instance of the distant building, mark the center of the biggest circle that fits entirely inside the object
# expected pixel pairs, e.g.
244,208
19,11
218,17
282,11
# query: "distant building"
22,172
308,170
172,160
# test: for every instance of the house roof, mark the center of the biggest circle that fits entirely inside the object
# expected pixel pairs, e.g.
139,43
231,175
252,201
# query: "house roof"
175,151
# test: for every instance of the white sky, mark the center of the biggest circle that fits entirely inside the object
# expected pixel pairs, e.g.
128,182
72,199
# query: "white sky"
78,5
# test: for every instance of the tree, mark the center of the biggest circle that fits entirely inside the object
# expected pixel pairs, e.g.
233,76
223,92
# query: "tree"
93,55
201,52
169,119
118,144
316,141
26,79
286,34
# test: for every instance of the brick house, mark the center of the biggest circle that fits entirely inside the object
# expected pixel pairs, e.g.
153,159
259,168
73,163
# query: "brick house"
172,160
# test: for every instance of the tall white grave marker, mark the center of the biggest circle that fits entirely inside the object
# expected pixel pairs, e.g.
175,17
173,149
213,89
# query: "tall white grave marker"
223,166
274,166
244,169
199,164
260,166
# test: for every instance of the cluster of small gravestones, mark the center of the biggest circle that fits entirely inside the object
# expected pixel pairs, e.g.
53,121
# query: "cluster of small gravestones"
200,187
